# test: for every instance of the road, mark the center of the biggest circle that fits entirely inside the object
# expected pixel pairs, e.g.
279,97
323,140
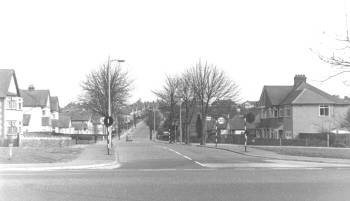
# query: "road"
162,171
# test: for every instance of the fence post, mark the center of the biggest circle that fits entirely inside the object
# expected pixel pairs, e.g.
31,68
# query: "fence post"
327,140
280,141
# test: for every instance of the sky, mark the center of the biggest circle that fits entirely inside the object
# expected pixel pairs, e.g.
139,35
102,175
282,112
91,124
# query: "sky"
55,44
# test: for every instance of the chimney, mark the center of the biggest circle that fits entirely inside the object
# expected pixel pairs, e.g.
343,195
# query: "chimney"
299,79
31,88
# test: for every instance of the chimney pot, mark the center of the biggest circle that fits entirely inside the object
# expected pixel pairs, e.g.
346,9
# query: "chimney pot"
31,88
299,79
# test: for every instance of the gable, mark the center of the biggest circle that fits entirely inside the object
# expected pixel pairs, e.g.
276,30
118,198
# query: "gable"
8,83
36,98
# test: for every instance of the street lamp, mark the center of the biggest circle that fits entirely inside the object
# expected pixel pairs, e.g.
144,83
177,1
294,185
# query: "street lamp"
109,100
180,121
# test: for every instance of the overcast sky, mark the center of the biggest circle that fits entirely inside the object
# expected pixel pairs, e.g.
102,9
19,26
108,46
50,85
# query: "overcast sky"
54,44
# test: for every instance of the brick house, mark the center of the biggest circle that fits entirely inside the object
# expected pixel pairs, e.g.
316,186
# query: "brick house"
11,105
287,111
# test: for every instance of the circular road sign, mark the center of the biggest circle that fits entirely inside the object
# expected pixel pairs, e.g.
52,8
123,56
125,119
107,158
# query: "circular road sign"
108,121
250,118
221,120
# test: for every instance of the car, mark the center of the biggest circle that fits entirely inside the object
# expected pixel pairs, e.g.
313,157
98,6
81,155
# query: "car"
128,137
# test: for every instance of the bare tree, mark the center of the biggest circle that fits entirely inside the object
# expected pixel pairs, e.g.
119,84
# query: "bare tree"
95,88
210,84
186,93
168,99
338,57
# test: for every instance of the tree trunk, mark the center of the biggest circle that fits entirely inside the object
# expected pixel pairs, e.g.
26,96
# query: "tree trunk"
204,130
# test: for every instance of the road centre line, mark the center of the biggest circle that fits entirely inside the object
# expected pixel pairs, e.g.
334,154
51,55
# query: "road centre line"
200,163
177,153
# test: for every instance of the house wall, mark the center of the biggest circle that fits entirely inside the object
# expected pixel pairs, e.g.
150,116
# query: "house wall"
306,119
12,115
35,124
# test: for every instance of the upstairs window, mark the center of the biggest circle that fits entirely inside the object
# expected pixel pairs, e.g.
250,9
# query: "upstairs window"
19,106
11,104
287,114
44,112
280,113
324,110
275,112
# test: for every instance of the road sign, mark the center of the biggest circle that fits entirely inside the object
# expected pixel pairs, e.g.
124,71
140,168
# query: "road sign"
221,120
108,121
250,118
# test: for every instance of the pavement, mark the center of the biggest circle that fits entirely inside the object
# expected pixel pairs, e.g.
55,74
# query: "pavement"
94,156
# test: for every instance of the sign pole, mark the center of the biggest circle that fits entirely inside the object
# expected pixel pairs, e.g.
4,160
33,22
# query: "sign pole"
245,133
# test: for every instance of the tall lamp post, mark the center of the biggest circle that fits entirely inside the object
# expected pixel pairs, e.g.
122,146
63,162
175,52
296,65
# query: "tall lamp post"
109,100
180,122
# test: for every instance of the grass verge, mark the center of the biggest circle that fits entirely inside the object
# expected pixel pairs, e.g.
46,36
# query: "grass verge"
310,152
21,155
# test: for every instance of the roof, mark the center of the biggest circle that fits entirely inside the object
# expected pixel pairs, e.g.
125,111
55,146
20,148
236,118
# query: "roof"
302,93
64,121
305,93
277,93
77,115
5,81
54,104
26,119
35,98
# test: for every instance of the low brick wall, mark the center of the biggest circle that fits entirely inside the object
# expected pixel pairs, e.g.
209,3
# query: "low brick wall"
29,141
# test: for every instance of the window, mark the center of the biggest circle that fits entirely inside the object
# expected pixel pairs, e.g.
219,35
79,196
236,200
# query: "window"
53,116
280,113
19,106
275,112
8,105
44,112
11,104
11,127
263,114
288,134
287,112
324,110
14,104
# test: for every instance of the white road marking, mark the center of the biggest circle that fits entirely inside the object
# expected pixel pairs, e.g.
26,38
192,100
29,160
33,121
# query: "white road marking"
200,164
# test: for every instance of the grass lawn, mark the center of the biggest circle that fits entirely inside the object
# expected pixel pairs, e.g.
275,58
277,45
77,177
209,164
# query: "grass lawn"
23,155
310,152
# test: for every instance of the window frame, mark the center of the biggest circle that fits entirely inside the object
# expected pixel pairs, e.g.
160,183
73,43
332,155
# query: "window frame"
280,112
325,109
288,114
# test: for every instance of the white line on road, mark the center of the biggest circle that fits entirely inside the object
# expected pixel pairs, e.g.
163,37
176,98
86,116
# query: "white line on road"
200,163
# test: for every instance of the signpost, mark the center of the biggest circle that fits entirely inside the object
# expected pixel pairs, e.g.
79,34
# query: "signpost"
221,120
250,118
108,121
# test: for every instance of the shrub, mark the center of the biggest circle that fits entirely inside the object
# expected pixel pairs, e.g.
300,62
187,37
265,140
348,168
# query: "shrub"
338,144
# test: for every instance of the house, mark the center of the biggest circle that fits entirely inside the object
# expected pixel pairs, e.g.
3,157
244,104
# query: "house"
250,104
288,111
65,125
236,125
37,110
11,105
81,121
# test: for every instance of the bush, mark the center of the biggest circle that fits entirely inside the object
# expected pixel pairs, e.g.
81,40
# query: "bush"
338,144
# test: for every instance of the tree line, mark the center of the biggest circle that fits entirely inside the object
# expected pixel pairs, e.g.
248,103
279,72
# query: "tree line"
194,90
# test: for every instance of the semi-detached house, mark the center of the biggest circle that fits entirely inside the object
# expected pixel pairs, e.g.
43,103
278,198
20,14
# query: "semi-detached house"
37,110
11,110
288,111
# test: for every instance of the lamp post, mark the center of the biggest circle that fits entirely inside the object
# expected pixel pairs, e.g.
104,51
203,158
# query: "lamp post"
180,122
154,124
109,100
